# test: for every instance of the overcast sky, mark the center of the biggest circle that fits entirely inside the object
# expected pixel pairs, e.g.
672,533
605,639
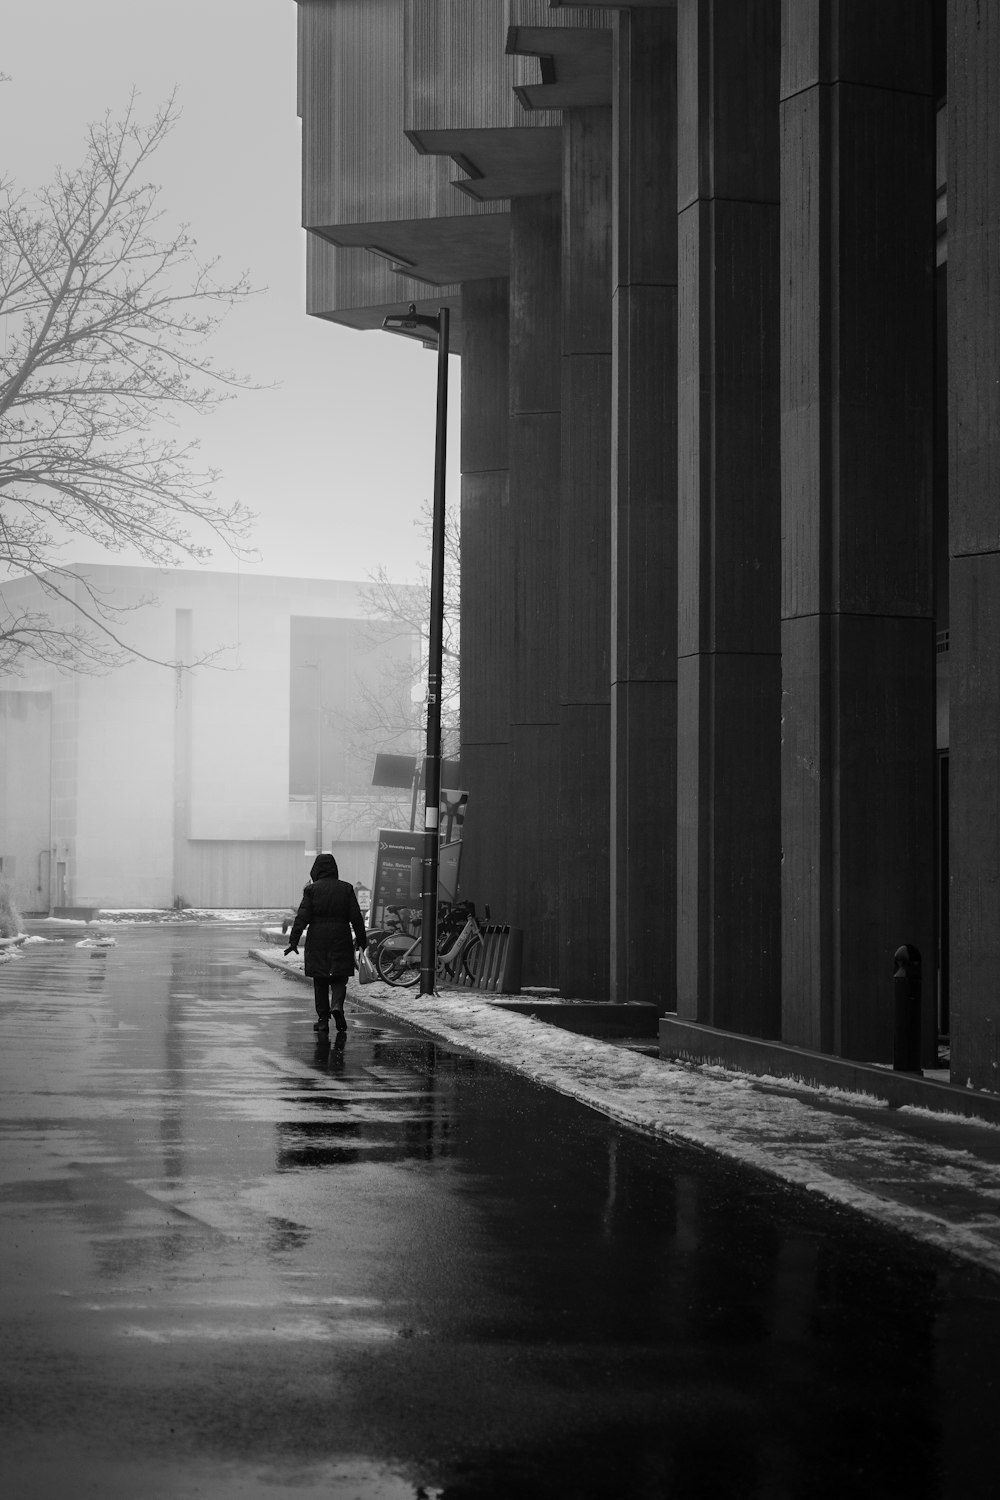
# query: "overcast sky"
337,459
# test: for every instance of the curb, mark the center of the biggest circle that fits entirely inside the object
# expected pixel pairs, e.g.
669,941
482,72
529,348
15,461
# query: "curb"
942,1192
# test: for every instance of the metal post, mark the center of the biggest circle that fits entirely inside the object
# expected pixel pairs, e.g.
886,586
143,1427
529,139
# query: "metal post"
314,666
414,790
432,775
319,765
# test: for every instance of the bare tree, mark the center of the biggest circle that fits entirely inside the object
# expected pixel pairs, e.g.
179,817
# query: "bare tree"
106,319
388,715
407,608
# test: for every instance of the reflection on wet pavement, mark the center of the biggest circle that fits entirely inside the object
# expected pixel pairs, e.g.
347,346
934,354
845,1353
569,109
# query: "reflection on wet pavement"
241,1261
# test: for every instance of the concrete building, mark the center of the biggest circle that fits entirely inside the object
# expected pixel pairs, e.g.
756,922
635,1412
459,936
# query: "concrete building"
724,278
150,786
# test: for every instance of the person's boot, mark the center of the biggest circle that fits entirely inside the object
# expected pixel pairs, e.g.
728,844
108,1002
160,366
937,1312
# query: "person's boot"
338,1016
322,1022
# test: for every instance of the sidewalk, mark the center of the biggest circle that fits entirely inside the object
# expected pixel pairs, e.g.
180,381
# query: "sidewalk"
933,1176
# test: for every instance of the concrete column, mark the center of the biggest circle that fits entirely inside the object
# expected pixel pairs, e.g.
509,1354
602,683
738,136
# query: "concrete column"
584,556
489,854
857,254
535,380
974,520
644,511
729,670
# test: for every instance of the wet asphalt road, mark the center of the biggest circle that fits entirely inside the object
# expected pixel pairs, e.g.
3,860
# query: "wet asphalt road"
240,1263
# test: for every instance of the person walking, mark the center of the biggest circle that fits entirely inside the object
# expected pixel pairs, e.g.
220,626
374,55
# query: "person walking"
327,913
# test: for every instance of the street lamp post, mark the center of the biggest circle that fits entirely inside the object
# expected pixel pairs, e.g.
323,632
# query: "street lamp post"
431,331
313,666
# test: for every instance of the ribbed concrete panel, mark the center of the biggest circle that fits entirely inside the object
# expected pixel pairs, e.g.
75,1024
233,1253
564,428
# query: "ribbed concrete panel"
560,59
458,75
584,885
358,290
544,13
585,531
644,481
974,485
584,547
727,67
586,245
485,661
973,267
485,432
866,374
535,435
363,183
644,512
535,308
729,856
729,418
857,193
858,819
460,102
885,46
534,882
583,6
729,927
486,597
534,476
643,860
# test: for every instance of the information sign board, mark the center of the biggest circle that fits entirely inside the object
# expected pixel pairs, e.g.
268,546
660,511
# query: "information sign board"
399,858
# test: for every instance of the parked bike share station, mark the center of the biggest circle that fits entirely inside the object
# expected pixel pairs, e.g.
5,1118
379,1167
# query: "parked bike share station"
469,951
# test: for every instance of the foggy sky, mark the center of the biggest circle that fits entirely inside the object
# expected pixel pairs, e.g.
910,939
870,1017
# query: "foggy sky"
338,458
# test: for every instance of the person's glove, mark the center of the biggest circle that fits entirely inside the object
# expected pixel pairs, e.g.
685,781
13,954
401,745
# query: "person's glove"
293,949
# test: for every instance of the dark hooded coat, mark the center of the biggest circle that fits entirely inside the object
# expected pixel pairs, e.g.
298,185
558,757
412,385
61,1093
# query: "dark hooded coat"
327,913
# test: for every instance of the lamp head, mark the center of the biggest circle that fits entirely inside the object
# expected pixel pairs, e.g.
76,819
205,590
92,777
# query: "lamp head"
414,325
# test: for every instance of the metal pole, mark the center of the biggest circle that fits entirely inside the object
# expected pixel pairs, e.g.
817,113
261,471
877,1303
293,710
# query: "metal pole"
414,790
435,650
319,764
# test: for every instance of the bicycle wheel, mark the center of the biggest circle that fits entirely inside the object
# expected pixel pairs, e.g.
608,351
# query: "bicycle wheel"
398,961
472,958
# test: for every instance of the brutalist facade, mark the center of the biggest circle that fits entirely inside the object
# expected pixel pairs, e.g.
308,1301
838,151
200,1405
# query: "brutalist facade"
725,280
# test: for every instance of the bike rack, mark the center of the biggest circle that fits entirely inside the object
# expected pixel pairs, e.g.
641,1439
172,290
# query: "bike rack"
500,967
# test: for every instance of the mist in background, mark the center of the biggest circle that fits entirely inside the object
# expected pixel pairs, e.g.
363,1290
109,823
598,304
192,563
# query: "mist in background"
337,456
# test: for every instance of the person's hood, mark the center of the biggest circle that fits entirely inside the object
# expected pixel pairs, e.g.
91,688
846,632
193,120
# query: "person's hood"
324,868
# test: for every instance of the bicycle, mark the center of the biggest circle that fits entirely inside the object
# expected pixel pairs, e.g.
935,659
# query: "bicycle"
398,959
397,921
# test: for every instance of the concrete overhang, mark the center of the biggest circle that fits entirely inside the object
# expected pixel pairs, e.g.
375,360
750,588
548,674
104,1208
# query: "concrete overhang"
438,251
575,65
512,162
358,290
368,318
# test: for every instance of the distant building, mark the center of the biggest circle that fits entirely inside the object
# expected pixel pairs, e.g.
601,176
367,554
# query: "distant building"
151,786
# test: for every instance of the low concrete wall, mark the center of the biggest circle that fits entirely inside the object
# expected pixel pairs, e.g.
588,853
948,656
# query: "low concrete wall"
596,1019
686,1041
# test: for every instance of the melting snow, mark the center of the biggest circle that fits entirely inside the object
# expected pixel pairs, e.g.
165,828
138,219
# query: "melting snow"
804,1135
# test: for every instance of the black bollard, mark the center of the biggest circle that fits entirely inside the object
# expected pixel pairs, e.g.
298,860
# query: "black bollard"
906,1010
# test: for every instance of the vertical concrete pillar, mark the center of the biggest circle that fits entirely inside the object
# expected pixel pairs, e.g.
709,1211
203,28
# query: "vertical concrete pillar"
729,669
857,237
644,510
974,522
535,379
486,597
584,556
